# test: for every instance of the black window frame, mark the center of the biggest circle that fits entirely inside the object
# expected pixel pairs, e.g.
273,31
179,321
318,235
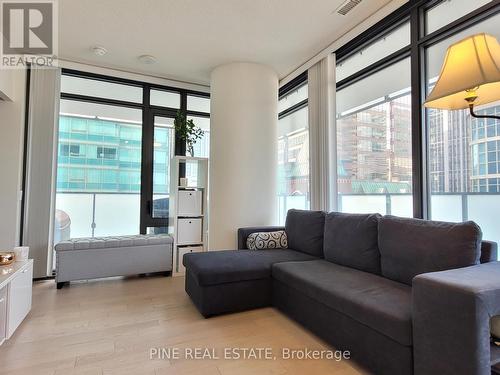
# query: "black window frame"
286,89
148,113
414,12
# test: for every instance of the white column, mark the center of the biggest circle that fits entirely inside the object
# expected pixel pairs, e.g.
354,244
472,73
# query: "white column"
243,150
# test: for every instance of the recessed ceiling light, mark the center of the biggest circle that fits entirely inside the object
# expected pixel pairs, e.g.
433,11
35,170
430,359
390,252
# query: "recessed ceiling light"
147,59
99,50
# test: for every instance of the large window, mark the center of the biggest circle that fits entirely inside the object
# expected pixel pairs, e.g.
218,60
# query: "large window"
463,152
115,144
445,12
101,89
293,151
98,170
163,144
393,156
374,158
382,47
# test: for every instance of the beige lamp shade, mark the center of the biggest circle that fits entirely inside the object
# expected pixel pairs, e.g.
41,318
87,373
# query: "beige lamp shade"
470,64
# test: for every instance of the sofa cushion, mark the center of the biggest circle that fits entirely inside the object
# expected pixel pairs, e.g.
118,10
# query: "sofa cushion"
226,266
352,240
489,251
409,247
381,304
304,230
267,240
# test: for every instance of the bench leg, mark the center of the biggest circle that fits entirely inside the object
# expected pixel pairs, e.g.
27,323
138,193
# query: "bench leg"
60,285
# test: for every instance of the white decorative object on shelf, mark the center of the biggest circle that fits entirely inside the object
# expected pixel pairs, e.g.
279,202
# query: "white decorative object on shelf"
188,215
21,253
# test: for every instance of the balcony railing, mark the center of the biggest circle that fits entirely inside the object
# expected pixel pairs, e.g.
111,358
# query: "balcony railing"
113,214
100,214
455,207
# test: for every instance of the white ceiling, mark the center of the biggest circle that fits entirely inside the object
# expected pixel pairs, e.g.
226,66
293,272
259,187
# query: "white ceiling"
191,37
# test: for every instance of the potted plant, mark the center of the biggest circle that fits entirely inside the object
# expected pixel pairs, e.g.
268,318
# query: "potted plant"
187,131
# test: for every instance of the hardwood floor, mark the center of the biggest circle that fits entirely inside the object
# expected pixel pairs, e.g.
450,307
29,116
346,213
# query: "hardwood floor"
109,326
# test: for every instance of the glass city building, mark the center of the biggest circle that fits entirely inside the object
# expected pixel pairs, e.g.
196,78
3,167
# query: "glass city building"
114,149
103,156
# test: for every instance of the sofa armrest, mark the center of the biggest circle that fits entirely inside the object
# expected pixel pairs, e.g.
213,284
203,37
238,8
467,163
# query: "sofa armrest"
451,313
243,233
489,251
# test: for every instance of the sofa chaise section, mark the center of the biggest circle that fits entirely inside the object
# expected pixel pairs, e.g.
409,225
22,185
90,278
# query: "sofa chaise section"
233,280
229,281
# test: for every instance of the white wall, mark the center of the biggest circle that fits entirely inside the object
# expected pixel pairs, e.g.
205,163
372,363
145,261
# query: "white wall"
11,151
243,150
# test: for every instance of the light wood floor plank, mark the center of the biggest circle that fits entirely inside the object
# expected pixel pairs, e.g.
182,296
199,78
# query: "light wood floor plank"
108,327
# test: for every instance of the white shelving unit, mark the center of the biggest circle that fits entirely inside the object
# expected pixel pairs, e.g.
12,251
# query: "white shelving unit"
188,208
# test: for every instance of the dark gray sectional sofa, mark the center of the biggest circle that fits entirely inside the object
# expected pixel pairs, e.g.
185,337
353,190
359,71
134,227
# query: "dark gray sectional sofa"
404,296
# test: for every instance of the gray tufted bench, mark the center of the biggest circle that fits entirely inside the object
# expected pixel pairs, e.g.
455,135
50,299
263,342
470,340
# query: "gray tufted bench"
97,257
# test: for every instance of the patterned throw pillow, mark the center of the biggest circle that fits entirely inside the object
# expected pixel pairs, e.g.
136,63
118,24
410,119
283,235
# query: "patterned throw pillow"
267,240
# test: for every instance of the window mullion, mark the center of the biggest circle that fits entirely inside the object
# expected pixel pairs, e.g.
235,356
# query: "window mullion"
417,112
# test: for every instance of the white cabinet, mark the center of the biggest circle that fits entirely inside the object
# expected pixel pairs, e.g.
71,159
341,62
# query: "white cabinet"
15,296
189,231
3,314
185,250
19,302
190,203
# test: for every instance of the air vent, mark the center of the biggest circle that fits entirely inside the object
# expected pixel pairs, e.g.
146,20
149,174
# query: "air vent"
347,6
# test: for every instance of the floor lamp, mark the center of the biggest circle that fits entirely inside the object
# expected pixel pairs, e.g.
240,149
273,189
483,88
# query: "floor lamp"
470,76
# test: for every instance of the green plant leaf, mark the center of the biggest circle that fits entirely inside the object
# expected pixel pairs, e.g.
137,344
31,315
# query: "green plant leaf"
187,130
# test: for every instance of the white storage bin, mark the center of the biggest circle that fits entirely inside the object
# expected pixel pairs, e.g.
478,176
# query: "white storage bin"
184,250
189,231
190,203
